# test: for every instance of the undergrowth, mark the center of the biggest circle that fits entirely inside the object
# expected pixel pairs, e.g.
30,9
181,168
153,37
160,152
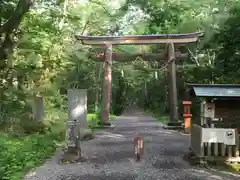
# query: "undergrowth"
25,146
18,155
28,143
160,116
94,119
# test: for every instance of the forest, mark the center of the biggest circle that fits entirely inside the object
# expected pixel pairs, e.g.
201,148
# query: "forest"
39,55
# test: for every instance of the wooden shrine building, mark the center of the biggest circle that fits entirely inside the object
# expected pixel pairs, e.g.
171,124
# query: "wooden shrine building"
216,127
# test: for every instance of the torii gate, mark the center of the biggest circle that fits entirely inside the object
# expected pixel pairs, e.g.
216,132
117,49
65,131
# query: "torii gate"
170,54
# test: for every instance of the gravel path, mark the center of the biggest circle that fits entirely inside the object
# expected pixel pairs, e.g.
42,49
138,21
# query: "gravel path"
110,155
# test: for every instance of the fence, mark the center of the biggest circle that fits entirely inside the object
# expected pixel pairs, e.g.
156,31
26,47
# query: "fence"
215,148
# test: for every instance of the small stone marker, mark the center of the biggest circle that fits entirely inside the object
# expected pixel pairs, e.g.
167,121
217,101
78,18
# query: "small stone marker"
38,107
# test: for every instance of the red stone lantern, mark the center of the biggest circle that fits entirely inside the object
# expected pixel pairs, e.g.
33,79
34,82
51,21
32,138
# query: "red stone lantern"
187,116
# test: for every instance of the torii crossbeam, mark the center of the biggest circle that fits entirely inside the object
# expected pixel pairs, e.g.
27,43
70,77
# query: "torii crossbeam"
168,39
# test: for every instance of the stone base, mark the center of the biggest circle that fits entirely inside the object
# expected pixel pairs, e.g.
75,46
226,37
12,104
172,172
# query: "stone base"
102,126
174,125
72,155
111,126
87,134
178,123
104,123
187,131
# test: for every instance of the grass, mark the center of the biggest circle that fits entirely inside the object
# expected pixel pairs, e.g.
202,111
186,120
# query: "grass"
227,167
159,116
18,154
235,167
232,167
93,120
163,119
220,166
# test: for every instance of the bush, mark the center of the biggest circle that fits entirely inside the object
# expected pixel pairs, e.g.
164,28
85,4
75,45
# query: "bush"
19,155
26,143
31,126
94,119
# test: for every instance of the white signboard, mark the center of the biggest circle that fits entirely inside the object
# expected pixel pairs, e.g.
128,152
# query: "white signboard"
209,110
219,135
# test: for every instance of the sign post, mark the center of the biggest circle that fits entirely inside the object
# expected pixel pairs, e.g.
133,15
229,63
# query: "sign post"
138,147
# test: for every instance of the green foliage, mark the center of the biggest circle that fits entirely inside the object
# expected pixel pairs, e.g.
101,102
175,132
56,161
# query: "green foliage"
227,55
32,126
94,119
24,147
159,116
19,155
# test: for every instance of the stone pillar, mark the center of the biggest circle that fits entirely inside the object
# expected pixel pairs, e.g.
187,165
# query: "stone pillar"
77,118
106,98
38,107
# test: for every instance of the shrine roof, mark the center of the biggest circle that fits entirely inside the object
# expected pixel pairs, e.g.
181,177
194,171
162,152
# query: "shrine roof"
140,39
215,90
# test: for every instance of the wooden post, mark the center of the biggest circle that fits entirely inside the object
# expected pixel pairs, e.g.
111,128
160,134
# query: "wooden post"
173,104
138,143
106,99
77,119
237,147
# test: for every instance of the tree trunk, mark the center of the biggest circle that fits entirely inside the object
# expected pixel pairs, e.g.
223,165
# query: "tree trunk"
8,28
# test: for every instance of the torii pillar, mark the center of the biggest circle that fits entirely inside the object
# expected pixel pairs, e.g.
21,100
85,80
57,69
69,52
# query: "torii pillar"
106,96
172,86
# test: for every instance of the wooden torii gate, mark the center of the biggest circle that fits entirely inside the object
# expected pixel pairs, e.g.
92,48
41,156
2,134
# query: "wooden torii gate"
126,57
169,54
